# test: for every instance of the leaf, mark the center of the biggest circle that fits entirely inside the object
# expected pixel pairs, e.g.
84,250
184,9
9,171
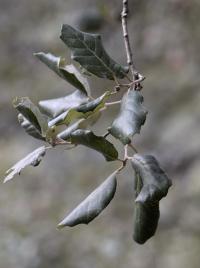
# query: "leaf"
32,113
32,159
55,107
29,128
146,218
93,205
88,51
82,123
67,72
155,182
82,111
152,185
131,117
98,143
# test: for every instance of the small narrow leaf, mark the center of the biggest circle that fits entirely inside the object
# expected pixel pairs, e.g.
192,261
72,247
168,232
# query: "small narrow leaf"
82,111
55,107
32,113
67,72
152,185
32,159
131,117
98,143
29,128
93,205
88,51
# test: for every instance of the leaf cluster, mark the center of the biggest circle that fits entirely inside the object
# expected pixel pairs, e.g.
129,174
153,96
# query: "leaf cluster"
67,121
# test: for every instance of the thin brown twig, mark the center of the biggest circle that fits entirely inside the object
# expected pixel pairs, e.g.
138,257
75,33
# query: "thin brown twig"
129,54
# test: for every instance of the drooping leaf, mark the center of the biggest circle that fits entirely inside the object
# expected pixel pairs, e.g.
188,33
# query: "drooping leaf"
67,72
29,128
155,181
131,117
32,159
93,205
32,113
98,143
82,111
55,107
146,216
80,124
152,185
88,51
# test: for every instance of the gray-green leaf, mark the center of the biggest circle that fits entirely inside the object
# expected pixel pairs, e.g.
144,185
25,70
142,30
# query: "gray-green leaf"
98,143
32,113
82,111
87,49
146,216
131,117
81,123
155,181
55,107
93,205
67,72
29,128
152,184
32,159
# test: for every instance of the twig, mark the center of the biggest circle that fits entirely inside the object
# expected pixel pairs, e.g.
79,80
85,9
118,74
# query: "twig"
112,103
129,55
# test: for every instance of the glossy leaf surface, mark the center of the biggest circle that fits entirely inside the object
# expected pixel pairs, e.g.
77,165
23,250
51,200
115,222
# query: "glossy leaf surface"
32,159
93,205
87,49
131,117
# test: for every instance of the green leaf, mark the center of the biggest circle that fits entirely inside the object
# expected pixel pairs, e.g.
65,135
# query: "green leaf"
87,49
29,128
146,216
55,107
80,124
131,117
67,72
32,113
152,184
98,143
155,181
82,111
93,205
32,159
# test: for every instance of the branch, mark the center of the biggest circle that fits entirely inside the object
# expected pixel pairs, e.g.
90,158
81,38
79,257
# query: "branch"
129,54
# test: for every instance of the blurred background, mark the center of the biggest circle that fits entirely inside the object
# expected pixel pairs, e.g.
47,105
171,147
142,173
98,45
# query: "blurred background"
165,38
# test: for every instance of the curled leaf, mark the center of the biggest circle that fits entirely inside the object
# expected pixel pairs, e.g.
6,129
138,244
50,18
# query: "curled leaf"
32,159
87,49
82,111
29,128
55,107
98,143
93,205
146,216
32,113
152,185
131,117
67,72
